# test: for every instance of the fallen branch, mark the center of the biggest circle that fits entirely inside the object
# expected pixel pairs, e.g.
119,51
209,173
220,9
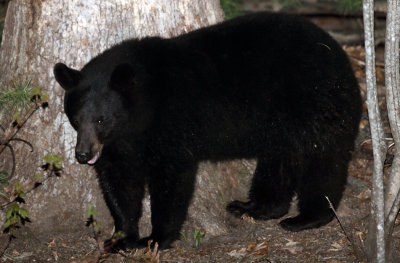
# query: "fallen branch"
358,249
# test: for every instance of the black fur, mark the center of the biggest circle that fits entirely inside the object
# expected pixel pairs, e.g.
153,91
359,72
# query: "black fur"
268,86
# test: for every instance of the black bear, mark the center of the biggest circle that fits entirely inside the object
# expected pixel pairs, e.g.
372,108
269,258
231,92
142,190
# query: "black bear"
268,86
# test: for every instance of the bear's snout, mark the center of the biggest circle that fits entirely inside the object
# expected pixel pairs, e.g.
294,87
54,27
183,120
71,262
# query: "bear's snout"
88,148
82,157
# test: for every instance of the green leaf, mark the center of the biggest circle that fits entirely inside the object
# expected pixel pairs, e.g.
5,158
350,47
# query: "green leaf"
57,166
15,97
14,207
198,237
23,213
11,221
196,233
9,213
183,235
36,91
45,98
16,117
91,211
19,187
48,158
7,223
53,160
231,8
119,234
38,176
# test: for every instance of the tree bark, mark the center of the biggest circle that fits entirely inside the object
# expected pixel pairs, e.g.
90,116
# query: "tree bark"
392,82
375,242
39,33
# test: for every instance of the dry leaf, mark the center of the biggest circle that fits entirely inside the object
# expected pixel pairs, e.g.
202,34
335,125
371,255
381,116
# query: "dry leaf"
257,249
248,219
291,246
237,253
291,243
251,247
335,247
262,248
50,244
55,255
364,195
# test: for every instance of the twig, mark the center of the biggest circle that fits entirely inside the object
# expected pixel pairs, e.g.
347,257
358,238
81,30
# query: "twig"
340,222
22,140
33,187
13,158
359,247
15,129
10,136
13,153
96,236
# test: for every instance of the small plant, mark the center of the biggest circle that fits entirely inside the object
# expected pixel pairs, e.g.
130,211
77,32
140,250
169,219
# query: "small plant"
118,235
198,236
17,215
18,97
53,164
231,8
91,212
17,104
91,221
183,235
102,251
22,100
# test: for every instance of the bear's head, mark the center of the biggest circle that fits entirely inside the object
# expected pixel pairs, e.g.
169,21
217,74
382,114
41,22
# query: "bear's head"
100,105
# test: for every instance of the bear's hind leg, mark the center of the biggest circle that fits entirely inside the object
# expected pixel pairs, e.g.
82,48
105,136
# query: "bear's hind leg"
171,188
326,176
271,190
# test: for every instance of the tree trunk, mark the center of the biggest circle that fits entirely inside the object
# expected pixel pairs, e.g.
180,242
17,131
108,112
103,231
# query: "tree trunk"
39,33
375,242
392,82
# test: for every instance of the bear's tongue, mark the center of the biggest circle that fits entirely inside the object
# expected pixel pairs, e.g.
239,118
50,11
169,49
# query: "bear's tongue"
95,158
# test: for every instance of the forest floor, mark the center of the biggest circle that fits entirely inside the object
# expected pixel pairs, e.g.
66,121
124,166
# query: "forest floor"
248,240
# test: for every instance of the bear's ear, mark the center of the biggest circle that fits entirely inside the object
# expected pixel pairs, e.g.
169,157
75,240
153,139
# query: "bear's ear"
123,78
67,77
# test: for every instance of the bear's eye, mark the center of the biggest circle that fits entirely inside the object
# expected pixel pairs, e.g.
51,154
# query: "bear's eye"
100,121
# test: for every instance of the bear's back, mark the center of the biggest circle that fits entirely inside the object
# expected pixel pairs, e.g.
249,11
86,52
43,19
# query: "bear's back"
273,72
244,84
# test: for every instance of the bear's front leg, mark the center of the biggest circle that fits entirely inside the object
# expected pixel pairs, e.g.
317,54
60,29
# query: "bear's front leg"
171,187
123,192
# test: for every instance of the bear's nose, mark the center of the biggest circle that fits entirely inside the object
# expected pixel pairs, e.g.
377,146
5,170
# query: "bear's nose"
82,157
